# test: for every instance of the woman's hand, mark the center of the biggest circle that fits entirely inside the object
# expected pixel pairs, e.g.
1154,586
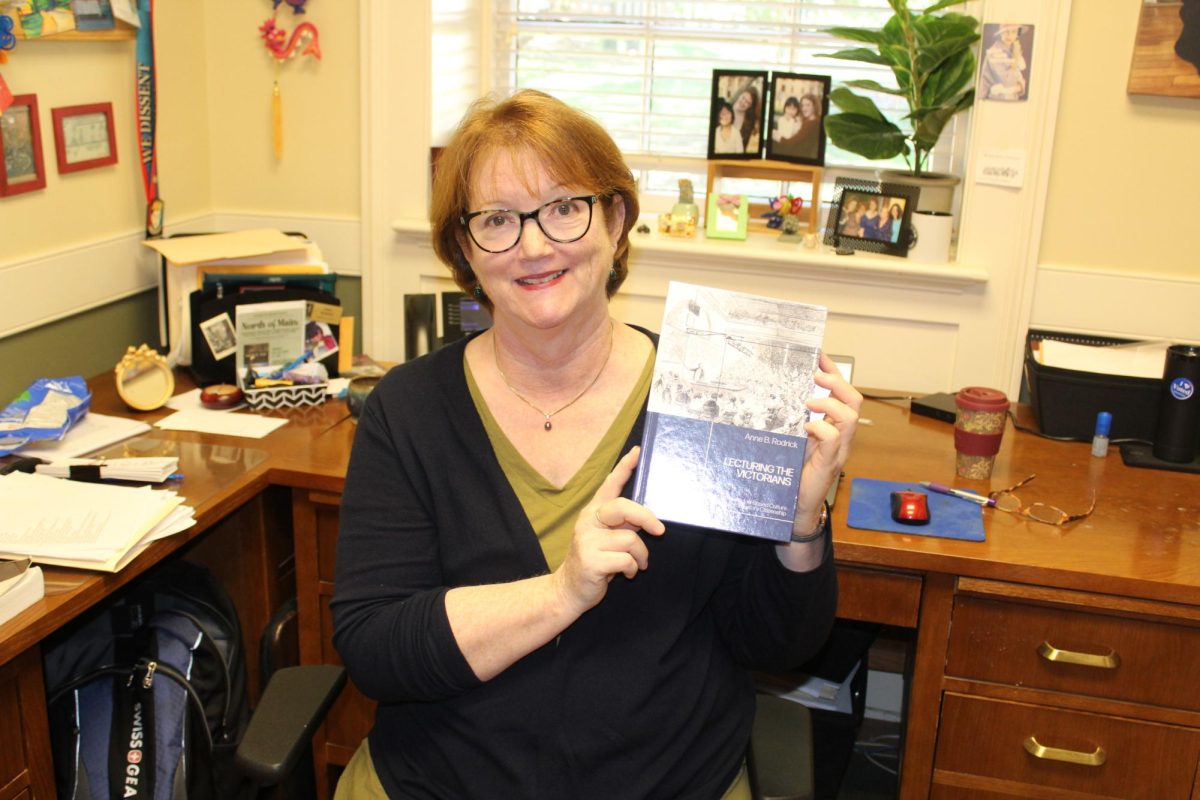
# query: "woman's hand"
828,442
606,540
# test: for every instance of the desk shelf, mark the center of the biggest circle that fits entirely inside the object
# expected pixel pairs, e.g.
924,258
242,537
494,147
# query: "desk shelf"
767,170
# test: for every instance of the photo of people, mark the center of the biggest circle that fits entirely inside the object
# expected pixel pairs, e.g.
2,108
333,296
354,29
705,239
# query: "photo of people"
736,118
875,217
1004,74
798,107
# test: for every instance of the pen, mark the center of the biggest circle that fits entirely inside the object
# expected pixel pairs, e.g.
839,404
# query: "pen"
961,493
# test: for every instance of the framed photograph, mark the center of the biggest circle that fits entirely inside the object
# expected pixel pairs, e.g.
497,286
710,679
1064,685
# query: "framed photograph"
798,107
21,144
83,136
727,216
871,216
735,124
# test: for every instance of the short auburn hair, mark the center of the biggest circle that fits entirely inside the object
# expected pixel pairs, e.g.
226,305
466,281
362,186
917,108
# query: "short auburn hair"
570,145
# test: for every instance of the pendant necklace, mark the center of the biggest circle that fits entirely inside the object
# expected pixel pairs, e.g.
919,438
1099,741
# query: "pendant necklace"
548,414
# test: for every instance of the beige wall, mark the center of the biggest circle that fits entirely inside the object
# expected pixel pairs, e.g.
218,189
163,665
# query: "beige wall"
1124,165
214,161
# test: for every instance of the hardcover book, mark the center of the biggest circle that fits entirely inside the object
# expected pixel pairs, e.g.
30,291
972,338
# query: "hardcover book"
724,442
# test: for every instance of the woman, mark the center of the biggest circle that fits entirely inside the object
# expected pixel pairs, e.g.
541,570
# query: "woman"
1003,74
851,224
803,139
746,114
871,223
726,138
890,232
528,630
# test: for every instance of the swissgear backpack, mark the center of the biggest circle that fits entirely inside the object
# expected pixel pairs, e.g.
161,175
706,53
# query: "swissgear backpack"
147,695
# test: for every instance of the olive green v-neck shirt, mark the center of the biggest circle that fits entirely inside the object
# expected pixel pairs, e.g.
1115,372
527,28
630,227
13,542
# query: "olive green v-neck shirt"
552,510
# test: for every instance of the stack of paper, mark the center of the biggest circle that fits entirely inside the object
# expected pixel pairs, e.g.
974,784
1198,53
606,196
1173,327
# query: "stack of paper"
21,585
1135,360
261,251
86,525
88,434
145,470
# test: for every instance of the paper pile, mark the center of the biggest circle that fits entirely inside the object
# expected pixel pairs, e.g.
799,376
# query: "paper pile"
85,525
144,470
21,585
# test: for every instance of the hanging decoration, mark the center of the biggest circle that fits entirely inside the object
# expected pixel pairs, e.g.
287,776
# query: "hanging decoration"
147,117
303,41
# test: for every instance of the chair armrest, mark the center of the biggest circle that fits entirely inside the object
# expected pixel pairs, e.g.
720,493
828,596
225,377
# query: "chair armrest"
292,707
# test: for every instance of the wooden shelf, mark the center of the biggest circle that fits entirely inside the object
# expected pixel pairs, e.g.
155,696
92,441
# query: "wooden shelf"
122,32
765,170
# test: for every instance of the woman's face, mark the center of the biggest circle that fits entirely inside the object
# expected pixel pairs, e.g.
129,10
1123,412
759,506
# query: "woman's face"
872,207
541,283
743,101
808,108
790,110
894,212
725,116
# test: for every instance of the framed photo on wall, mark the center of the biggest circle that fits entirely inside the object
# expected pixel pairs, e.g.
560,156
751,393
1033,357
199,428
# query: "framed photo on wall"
796,118
21,144
83,136
735,125
871,216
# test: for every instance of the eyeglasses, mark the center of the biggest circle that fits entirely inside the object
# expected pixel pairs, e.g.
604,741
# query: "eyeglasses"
565,220
1005,500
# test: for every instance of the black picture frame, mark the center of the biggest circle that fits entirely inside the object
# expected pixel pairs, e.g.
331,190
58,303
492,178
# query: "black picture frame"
728,85
799,137
846,232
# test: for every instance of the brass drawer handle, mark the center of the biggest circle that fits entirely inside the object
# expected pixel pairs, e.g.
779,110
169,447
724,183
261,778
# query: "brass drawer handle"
1038,750
1052,653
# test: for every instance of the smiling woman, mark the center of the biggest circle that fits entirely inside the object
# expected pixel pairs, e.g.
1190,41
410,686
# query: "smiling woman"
493,576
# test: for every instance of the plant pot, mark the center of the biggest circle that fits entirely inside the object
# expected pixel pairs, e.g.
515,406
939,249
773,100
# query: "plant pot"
937,188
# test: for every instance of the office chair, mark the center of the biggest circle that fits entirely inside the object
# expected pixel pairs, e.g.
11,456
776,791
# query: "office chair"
780,756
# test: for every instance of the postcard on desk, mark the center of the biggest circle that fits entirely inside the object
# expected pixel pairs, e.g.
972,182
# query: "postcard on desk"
949,517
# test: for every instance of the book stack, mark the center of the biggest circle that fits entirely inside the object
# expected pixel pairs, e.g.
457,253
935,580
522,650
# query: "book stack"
21,585
92,526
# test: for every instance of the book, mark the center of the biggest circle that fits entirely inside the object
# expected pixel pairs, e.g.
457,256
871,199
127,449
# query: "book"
270,336
724,442
139,469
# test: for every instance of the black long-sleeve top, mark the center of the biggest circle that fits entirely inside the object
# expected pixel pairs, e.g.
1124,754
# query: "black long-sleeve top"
647,695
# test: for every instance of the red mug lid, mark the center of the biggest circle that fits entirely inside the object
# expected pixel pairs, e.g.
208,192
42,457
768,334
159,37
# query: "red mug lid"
981,398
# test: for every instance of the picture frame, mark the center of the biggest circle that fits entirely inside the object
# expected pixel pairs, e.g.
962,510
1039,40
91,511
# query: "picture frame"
737,114
855,221
21,147
796,118
84,136
728,216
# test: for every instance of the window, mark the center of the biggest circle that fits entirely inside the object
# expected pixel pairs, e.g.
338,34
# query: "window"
643,68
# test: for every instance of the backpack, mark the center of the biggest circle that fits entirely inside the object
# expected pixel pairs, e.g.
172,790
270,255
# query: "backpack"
147,695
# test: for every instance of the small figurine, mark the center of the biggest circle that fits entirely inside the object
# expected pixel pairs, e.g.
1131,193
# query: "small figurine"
684,215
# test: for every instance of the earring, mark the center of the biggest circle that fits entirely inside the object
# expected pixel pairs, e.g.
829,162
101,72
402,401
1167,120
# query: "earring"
478,291
612,275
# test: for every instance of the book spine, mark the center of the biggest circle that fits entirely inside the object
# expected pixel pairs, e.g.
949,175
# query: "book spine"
643,467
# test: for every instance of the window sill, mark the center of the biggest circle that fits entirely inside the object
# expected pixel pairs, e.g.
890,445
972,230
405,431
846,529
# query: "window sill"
763,253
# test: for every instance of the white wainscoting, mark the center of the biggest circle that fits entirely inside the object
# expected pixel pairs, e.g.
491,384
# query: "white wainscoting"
49,287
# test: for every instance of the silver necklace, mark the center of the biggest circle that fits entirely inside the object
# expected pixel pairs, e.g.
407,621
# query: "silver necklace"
548,414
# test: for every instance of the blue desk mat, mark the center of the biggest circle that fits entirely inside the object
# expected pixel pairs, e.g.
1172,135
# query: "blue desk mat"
949,517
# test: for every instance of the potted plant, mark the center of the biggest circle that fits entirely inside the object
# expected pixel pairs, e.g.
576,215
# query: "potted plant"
933,59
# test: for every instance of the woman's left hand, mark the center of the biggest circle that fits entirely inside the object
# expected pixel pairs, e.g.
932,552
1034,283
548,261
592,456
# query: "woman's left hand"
829,442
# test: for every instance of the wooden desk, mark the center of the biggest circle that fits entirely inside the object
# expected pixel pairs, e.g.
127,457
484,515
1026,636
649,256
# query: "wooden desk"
1124,582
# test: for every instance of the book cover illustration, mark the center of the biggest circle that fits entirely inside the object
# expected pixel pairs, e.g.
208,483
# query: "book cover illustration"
724,441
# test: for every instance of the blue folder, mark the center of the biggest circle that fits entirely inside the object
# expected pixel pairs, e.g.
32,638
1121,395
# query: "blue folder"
949,517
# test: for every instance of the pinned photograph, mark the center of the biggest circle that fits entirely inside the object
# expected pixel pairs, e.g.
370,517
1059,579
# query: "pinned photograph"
1004,71
220,335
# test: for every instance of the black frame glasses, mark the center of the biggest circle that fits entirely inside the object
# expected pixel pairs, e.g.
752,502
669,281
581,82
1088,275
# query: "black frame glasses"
535,215
1005,500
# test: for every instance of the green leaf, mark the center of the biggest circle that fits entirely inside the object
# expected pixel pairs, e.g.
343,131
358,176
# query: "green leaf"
942,85
938,6
869,137
852,103
855,34
933,56
874,86
858,54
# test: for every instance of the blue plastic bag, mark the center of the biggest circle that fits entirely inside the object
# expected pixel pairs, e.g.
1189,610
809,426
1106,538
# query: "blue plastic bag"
46,410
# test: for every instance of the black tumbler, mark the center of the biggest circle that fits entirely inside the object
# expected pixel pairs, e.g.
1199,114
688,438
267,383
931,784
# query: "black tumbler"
1178,429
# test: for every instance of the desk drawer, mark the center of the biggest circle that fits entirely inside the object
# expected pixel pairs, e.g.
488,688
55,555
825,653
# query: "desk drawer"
1128,659
982,745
